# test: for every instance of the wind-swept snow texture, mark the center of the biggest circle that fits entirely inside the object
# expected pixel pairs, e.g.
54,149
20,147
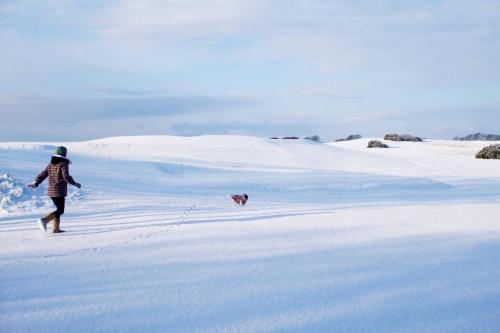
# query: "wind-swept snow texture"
334,238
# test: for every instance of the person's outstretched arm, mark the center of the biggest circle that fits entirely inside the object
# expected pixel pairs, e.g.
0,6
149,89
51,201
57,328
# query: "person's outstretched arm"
39,179
67,178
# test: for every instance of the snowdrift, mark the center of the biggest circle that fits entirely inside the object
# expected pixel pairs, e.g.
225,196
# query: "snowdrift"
15,197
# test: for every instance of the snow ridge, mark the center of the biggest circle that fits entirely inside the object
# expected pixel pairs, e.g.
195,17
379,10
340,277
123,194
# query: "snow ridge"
14,197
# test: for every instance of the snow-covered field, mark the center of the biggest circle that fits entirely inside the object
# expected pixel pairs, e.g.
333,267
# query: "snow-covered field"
335,237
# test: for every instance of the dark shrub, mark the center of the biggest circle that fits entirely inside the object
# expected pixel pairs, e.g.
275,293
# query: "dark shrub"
403,137
350,137
377,144
490,152
314,138
479,137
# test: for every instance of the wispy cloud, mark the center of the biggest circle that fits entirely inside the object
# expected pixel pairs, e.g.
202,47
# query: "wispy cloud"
265,129
125,92
73,109
320,92
149,18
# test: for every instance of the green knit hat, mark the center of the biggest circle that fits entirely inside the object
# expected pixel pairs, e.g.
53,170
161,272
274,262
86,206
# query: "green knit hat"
62,151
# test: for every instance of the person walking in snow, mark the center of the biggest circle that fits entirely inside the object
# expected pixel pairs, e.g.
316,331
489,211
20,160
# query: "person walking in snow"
58,173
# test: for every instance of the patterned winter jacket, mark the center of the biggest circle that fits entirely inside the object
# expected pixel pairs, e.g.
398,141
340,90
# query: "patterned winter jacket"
58,173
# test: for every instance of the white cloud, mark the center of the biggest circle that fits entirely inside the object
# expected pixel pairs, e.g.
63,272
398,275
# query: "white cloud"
408,42
328,93
150,18
7,8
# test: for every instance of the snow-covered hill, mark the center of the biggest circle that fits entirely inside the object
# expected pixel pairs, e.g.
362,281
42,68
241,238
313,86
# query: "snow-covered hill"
335,237
430,158
226,151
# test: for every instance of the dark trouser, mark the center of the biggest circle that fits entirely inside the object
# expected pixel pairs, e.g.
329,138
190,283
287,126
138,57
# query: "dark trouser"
59,202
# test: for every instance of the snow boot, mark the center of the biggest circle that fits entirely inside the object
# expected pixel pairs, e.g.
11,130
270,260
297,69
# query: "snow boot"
57,222
42,223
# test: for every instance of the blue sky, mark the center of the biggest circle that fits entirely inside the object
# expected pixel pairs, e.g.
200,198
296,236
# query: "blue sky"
73,70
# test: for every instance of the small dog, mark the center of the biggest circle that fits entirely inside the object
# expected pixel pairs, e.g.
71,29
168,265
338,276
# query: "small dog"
239,199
